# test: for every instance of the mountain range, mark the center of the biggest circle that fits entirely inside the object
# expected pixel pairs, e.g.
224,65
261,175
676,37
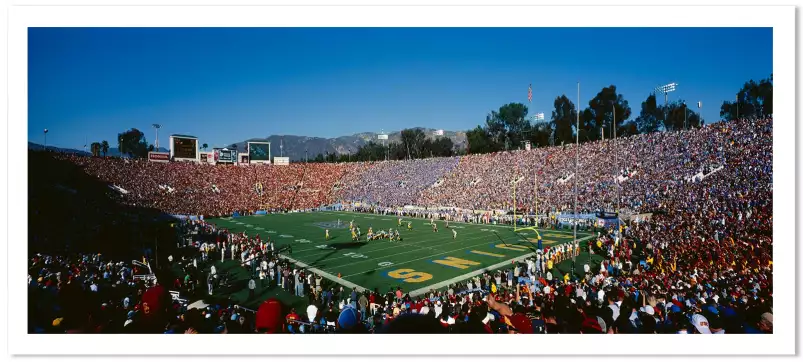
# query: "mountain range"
297,147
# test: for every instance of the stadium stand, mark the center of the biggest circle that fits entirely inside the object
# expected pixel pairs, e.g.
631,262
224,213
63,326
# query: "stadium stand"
703,254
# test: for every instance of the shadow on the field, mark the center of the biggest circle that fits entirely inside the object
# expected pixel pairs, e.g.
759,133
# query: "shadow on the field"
369,272
351,245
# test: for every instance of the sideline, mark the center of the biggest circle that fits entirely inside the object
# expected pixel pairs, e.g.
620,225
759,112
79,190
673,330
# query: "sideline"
460,278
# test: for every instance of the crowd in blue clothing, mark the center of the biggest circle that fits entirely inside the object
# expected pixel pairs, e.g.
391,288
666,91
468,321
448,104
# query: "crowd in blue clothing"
694,254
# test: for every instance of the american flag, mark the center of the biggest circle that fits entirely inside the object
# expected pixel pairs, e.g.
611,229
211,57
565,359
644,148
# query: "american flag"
530,93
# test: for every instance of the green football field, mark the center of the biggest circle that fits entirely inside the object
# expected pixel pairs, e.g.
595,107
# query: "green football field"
424,260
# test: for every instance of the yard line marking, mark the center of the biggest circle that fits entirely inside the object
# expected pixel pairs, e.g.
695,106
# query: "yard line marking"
486,253
422,258
426,257
461,222
398,245
418,249
376,258
456,279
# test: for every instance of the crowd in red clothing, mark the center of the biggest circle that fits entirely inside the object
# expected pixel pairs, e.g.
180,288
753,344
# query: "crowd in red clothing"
695,255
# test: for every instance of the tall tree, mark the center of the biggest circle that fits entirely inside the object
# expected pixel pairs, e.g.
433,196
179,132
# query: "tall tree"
133,143
371,151
438,147
413,139
95,147
508,126
601,114
563,119
541,134
651,117
104,146
754,99
478,141
680,116
204,146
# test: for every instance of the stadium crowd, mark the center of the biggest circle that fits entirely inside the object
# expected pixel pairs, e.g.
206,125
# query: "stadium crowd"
697,259
213,190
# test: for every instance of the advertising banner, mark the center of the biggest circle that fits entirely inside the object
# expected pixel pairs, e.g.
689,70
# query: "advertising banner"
158,157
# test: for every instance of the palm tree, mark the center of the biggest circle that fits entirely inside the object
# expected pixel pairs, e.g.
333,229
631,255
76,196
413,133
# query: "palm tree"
95,147
204,146
104,146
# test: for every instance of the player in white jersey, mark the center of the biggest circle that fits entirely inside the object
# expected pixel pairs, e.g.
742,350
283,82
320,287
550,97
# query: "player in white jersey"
454,233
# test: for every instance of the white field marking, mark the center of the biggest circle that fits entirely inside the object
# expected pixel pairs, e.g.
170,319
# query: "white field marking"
410,261
249,225
461,222
426,257
326,275
385,255
260,228
285,236
239,223
459,278
271,232
397,245
430,248
375,258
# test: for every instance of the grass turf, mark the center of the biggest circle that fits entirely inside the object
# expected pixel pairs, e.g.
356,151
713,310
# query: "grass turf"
423,260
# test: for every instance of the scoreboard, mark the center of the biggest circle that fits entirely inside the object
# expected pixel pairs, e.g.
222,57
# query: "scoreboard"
184,147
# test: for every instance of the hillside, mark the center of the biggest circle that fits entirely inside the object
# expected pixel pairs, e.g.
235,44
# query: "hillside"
295,146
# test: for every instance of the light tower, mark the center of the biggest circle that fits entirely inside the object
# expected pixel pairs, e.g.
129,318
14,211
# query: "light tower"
156,126
665,89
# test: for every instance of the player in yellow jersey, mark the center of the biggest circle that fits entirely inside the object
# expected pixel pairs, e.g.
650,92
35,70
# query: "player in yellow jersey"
409,225
351,224
390,234
434,227
353,234
397,235
400,222
327,234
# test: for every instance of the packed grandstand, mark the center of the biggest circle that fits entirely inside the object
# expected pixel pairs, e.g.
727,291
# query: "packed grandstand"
696,204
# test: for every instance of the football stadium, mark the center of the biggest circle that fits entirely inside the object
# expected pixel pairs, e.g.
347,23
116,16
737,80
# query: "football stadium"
592,221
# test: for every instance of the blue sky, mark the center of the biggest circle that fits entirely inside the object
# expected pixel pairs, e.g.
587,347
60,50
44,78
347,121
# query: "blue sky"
225,85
